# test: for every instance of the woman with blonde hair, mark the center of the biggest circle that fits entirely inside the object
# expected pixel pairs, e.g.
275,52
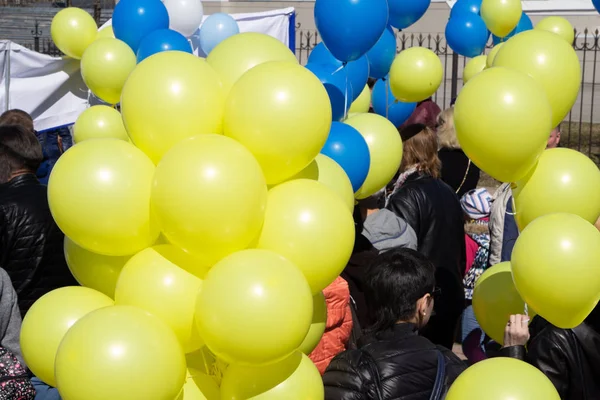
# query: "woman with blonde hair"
432,209
457,170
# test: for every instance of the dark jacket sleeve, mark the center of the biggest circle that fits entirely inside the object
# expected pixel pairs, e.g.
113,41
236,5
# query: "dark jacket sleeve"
546,353
454,365
343,379
510,234
404,204
517,352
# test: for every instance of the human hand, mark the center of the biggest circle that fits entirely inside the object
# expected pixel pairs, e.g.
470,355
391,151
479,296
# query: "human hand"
516,332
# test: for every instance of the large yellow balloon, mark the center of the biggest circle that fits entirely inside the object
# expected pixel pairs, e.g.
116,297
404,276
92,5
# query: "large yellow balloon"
385,147
503,121
502,378
99,122
99,195
473,67
501,16
416,74
93,270
47,322
492,55
73,30
105,66
558,251
184,260
193,199
240,53
317,328
495,299
169,97
281,112
255,307
552,62
563,180
199,386
295,378
106,32
362,103
153,283
120,353
559,25
308,224
323,169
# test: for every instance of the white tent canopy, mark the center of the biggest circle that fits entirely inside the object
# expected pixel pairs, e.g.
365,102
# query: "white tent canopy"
553,7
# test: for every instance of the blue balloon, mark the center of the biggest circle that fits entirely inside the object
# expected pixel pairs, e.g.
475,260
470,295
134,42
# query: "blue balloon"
596,4
524,24
215,29
338,90
346,146
162,40
349,28
404,13
357,71
386,105
133,20
465,6
467,34
381,56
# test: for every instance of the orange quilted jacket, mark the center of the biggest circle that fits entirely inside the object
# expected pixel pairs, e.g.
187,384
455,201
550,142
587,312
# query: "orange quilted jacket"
339,324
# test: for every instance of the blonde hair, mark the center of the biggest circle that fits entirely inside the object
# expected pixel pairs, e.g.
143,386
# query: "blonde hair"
445,131
420,149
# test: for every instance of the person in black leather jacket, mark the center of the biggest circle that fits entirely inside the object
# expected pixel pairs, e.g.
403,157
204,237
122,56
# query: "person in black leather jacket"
433,210
392,360
31,245
570,358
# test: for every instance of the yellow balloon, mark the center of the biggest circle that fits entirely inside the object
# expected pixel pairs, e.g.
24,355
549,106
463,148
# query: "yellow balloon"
323,169
73,30
281,112
47,322
199,386
309,225
362,103
294,378
563,180
317,328
192,196
551,62
489,380
416,74
155,284
169,97
495,299
503,120
99,195
255,307
120,353
385,147
99,122
105,66
93,270
492,56
558,251
473,67
242,52
559,25
106,32
184,260
501,16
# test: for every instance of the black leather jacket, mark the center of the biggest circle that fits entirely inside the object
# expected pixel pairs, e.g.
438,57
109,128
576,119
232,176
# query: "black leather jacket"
432,209
31,245
570,358
406,364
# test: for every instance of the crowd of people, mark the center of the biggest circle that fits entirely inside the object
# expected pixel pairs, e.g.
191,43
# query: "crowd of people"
399,306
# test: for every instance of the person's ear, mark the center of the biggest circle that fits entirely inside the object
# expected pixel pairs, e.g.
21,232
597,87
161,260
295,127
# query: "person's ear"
423,305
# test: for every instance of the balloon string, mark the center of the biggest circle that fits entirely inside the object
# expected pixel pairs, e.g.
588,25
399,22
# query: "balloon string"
345,92
387,98
526,311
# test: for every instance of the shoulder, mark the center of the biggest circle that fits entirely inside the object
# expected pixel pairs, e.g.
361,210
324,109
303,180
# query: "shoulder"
347,371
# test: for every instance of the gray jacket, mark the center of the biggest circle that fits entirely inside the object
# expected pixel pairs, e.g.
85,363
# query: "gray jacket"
385,230
497,216
10,317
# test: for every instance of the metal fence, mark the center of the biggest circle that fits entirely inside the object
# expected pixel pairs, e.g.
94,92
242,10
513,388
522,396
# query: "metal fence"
581,128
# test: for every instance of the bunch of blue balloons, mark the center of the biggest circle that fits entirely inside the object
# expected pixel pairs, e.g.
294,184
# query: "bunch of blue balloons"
466,32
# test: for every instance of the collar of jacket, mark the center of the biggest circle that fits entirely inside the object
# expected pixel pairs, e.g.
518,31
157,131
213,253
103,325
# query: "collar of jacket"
416,176
397,331
22,180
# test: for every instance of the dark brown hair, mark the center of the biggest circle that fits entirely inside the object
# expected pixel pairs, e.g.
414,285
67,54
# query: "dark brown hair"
17,117
420,149
19,151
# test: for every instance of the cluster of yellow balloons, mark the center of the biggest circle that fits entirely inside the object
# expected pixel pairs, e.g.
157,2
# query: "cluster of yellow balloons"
201,219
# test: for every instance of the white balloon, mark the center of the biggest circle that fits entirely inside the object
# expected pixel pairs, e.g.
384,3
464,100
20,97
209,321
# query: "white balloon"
185,16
